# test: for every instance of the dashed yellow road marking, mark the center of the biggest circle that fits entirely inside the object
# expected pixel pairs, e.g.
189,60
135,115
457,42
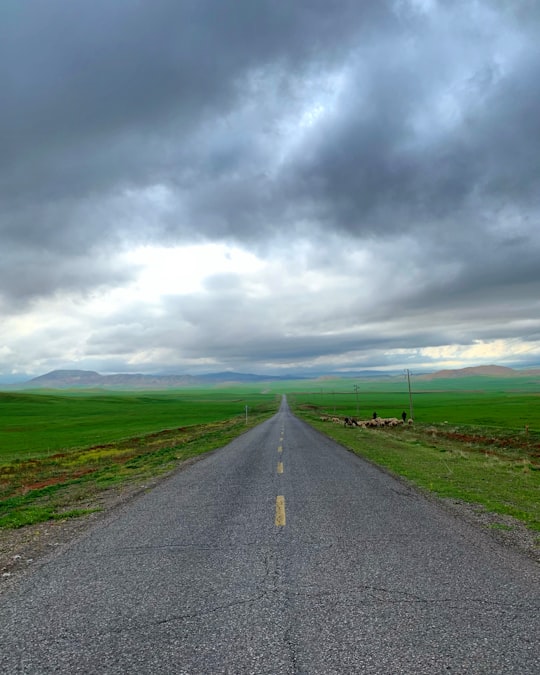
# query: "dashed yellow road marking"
280,467
280,511
280,448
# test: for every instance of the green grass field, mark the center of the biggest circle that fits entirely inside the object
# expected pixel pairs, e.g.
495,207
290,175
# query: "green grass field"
511,410
41,424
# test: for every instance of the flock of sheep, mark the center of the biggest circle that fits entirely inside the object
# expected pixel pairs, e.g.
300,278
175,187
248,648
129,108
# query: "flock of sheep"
374,422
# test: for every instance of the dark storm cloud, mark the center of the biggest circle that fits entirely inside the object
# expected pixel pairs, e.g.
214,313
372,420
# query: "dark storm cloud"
391,160
102,97
77,74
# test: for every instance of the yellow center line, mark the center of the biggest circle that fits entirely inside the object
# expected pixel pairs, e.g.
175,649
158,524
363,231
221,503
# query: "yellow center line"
280,448
280,467
280,511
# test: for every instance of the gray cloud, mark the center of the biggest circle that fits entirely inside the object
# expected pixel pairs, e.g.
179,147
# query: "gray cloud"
402,133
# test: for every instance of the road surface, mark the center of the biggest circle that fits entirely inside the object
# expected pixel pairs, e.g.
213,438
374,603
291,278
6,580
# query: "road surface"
280,553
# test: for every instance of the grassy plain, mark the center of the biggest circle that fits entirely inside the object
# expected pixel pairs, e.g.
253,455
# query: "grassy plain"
502,403
479,442
40,424
58,451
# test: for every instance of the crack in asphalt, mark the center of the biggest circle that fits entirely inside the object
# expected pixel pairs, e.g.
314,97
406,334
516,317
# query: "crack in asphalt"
129,550
274,588
274,593
409,598
274,560
269,588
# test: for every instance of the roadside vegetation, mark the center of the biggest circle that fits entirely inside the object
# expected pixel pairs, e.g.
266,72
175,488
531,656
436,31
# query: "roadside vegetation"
481,447
60,452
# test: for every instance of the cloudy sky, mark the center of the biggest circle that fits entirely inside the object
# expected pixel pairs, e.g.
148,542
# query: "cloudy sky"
198,185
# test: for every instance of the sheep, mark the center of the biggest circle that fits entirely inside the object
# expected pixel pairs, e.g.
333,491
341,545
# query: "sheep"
374,422
383,422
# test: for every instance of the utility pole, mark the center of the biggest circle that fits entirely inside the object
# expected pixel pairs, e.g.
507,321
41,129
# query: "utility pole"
356,392
411,414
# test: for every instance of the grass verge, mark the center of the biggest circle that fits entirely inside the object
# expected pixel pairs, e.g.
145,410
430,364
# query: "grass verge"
68,484
503,477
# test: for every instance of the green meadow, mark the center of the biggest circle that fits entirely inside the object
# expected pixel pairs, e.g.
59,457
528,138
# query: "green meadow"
40,424
509,403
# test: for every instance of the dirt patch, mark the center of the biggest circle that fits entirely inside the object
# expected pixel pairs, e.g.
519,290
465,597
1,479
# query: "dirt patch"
55,480
522,444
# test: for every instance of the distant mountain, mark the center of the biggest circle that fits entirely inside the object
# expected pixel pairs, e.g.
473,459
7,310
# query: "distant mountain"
487,371
241,377
352,374
67,377
89,379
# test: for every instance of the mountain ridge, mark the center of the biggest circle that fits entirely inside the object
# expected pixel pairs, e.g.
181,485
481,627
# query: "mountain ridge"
483,371
73,378
66,378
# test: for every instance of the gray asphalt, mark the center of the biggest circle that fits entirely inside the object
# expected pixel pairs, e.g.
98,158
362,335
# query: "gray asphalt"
365,576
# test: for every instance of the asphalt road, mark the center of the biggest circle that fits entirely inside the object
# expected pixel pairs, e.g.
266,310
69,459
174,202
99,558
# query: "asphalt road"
280,553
